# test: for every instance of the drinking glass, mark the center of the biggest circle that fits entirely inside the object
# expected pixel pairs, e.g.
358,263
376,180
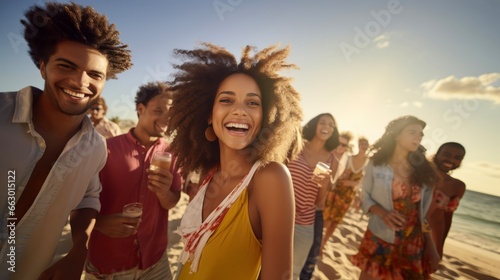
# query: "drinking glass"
321,168
160,160
132,210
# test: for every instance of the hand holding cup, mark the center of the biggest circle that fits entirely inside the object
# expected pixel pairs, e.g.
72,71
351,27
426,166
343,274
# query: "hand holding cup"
132,210
321,174
160,160
160,178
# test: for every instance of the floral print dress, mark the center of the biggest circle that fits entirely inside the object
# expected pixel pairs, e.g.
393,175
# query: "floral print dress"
340,198
403,259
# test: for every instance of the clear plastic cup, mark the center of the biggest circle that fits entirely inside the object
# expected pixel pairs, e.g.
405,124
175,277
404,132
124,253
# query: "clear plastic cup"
321,168
160,160
132,210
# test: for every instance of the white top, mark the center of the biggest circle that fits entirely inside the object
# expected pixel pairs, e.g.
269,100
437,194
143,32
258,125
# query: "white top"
72,183
341,167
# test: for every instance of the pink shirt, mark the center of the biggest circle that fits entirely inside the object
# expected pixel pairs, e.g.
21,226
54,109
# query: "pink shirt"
124,180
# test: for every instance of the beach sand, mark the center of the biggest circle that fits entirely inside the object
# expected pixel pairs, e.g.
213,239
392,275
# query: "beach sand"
460,261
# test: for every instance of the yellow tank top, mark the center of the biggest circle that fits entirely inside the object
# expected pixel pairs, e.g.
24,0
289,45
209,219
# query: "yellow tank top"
233,251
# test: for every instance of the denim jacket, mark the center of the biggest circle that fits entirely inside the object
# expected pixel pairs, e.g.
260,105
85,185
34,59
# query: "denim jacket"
377,189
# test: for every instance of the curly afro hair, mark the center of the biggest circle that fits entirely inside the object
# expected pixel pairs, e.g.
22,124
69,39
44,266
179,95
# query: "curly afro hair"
45,27
195,85
383,148
149,91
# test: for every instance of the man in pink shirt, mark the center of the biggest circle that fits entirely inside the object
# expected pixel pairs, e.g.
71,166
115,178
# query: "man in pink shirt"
115,248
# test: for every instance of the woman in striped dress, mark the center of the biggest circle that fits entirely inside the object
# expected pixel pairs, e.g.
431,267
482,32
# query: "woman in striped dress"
321,136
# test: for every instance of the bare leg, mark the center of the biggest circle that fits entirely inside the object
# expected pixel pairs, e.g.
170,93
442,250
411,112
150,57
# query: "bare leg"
325,237
438,241
329,229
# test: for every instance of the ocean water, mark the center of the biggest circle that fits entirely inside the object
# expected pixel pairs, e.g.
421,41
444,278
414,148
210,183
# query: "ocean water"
477,221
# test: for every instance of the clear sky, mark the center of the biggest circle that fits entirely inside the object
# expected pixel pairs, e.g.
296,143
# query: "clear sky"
366,62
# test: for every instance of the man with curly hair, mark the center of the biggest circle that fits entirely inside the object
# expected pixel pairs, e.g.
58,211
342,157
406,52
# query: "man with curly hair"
236,122
49,146
117,250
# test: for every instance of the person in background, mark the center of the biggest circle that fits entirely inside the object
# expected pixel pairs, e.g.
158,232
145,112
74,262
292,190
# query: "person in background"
397,193
447,193
52,153
117,249
236,122
356,202
102,124
337,166
320,136
340,198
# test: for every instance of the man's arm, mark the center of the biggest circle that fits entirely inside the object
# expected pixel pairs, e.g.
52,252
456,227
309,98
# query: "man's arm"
71,266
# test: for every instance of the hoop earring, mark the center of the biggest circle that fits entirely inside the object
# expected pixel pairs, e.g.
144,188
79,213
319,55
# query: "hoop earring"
210,134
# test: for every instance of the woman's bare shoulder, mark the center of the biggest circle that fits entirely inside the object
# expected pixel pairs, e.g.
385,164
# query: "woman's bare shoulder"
273,172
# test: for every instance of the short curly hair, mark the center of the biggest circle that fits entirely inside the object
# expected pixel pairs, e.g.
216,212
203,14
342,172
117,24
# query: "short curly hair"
195,85
309,131
150,90
45,27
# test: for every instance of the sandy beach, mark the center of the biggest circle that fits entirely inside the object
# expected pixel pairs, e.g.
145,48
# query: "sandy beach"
460,261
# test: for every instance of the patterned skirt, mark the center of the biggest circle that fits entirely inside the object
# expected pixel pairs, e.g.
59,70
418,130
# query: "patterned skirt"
338,202
401,260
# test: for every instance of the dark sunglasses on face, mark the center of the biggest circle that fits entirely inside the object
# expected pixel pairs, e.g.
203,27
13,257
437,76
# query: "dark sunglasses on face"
96,109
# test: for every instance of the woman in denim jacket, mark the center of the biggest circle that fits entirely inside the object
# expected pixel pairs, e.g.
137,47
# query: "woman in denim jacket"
396,195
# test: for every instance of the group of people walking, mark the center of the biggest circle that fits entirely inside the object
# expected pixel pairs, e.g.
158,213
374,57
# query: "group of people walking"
261,211
409,199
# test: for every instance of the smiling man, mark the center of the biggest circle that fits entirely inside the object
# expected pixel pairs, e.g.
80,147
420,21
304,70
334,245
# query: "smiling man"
50,150
117,249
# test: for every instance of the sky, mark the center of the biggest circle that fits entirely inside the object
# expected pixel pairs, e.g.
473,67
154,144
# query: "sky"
365,62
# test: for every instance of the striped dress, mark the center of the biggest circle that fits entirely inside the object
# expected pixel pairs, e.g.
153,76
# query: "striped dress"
305,189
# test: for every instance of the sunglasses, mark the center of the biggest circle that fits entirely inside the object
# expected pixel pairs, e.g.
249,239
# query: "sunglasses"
96,109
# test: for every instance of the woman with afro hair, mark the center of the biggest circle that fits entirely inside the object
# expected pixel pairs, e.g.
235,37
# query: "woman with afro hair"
236,122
